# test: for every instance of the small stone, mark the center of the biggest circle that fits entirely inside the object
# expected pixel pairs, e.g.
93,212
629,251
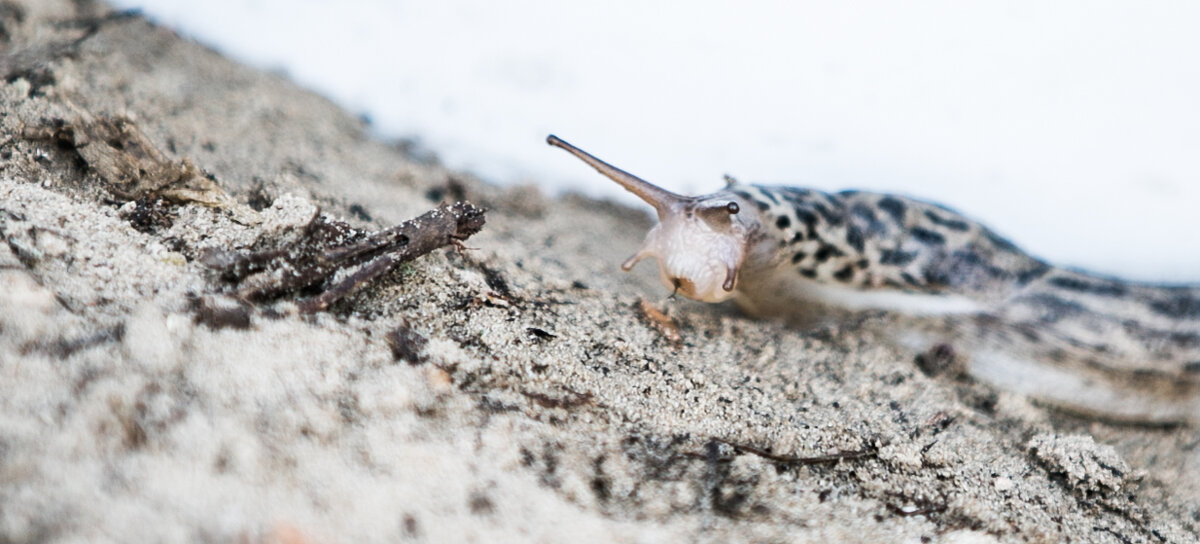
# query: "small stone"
1087,466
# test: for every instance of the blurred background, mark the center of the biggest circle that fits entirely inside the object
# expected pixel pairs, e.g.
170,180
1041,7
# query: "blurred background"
1071,127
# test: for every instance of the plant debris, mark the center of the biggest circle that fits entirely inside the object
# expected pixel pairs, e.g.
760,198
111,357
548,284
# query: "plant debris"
219,312
661,322
941,359
407,345
132,167
539,334
570,399
147,215
327,247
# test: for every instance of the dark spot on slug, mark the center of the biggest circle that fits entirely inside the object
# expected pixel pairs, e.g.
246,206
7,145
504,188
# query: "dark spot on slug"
1192,367
1000,242
1110,289
830,217
968,258
934,276
793,194
783,222
798,237
1183,306
799,256
745,195
863,211
896,257
826,252
1184,339
809,219
894,208
952,224
963,267
771,196
865,218
926,236
1024,277
845,274
1054,308
854,237
909,279
808,273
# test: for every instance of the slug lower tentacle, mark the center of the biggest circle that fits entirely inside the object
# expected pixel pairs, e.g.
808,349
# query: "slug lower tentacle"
1097,345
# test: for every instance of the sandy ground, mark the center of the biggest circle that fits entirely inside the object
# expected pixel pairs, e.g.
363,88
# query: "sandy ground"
542,407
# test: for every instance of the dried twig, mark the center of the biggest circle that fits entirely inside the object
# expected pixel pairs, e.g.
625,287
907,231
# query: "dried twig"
131,165
327,247
571,400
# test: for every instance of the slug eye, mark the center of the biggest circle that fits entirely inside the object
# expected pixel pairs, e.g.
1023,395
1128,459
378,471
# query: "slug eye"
718,215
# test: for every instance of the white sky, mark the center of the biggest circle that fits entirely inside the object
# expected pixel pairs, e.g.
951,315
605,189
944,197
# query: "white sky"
1071,127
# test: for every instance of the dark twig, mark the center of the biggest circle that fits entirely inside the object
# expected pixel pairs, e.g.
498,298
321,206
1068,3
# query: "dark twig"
571,400
328,247
374,269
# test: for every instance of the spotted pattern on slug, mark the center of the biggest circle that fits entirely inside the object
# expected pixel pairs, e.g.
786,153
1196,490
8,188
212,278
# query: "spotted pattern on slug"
1101,346
869,240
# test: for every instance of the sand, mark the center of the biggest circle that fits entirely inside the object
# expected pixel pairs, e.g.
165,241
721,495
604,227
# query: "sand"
540,403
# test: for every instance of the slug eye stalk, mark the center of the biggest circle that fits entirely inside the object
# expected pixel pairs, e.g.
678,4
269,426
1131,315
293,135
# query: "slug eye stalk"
664,201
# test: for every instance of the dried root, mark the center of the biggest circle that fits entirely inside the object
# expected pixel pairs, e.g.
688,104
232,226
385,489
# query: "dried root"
328,247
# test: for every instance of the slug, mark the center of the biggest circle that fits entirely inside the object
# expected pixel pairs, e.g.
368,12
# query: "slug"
1098,346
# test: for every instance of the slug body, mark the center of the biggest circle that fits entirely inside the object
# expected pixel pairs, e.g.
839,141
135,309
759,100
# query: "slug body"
1096,345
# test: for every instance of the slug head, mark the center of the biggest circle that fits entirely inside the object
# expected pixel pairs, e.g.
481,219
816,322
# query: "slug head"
699,242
